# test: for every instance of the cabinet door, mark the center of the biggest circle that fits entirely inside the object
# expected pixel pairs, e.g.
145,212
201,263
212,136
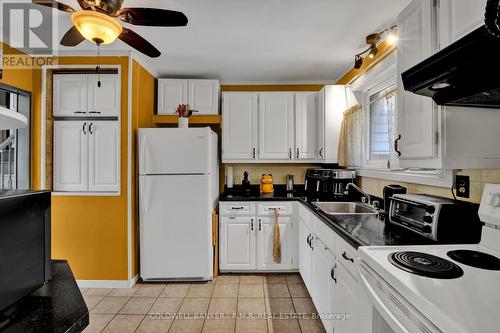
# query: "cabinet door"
324,289
276,126
321,124
417,120
237,243
70,157
104,101
305,255
203,96
70,95
265,242
457,18
104,156
306,125
171,93
347,301
239,126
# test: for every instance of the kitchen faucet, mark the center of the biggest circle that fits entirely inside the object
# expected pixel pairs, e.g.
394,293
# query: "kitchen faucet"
357,188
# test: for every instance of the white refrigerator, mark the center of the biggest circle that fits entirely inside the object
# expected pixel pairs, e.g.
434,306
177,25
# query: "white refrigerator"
178,191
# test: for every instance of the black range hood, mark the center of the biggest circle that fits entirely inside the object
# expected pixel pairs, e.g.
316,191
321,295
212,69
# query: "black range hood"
466,73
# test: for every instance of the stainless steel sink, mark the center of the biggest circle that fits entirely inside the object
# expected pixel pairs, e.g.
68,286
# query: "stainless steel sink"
345,208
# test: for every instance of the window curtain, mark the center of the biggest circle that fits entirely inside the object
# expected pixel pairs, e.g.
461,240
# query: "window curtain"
351,137
390,97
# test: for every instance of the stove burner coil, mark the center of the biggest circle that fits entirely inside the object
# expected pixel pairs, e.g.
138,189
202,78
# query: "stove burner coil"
476,259
424,264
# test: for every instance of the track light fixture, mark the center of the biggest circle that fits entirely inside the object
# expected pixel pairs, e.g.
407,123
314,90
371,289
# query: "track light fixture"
389,34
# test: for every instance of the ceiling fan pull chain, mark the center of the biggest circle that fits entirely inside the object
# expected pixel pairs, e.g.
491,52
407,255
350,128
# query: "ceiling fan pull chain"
98,65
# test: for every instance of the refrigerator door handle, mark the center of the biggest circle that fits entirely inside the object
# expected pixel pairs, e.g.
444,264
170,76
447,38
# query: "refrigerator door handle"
143,197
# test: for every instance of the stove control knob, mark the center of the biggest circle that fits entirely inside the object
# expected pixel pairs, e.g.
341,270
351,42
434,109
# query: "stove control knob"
427,219
495,200
427,229
430,209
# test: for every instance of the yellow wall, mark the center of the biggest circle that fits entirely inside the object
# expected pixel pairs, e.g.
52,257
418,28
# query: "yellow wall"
143,103
91,231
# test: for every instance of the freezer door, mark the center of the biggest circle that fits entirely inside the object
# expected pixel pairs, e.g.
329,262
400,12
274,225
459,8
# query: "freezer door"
175,151
175,227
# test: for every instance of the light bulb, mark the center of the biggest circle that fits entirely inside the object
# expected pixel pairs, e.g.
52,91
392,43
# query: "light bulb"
392,38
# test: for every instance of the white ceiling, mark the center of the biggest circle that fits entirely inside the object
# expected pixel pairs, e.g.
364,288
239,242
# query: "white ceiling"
259,41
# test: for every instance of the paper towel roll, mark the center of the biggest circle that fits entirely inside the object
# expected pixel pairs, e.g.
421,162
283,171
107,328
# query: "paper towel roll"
229,177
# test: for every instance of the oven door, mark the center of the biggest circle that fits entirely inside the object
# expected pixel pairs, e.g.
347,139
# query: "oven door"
391,312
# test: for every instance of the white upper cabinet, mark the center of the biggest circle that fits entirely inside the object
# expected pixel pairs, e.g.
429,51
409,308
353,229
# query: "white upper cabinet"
104,156
306,125
333,100
240,126
78,95
70,95
171,93
457,18
70,156
417,115
201,95
276,126
103,101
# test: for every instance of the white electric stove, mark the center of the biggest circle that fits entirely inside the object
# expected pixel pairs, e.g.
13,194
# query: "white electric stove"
438,288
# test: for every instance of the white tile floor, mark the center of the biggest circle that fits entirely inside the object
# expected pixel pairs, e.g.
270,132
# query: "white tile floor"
230,303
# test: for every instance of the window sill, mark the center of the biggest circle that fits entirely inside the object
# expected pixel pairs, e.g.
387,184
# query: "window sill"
443,179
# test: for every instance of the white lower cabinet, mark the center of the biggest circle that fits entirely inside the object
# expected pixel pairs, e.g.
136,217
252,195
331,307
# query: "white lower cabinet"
246,242
237,243
327,265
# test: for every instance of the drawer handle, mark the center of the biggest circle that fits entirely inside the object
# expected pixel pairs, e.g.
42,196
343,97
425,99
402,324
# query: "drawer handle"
346,257
95,112
237,208
79,112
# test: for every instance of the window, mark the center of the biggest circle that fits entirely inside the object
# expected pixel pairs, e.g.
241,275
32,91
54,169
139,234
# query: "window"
381,125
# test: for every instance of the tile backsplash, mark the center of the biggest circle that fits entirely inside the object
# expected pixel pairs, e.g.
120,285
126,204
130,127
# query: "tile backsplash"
279,172
477,180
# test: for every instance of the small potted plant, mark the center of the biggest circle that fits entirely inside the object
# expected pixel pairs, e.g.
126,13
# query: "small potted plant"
184,113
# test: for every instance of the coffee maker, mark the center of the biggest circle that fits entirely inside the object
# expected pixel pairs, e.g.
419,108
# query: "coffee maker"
318,183
342,177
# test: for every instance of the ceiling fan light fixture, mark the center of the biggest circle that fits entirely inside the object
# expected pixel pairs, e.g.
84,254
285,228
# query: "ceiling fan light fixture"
97,27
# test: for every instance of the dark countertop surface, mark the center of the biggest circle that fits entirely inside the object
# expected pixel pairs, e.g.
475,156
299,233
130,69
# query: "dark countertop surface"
58,306
358,230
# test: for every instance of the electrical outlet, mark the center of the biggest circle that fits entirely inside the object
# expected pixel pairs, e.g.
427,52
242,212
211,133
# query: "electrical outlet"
462,184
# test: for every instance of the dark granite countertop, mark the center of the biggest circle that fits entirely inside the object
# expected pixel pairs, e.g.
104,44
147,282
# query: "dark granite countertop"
358,230
58,306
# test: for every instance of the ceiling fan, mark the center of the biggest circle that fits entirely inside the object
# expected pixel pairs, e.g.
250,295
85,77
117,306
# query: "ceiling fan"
97,22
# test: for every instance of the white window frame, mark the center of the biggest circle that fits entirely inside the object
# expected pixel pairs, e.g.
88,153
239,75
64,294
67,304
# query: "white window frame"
382,76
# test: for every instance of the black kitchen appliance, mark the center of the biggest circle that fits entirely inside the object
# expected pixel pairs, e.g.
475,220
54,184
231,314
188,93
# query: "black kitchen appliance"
440,219
340,179
389,191
24,245
463,74
318,183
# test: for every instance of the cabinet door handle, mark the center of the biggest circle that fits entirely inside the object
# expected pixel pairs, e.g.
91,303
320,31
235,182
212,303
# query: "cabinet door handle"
251,224
332,274
253,153
83,128
308,239
260,225
346,257
290,153
321,153
396,145
90,128
298,152
95,112
79,112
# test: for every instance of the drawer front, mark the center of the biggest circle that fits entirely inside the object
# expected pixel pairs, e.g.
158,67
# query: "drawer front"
267,208
325,234
237,208
347,255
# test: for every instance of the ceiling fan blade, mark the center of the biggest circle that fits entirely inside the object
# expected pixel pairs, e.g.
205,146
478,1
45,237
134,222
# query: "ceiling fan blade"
72,37
139,43
152,17
54,4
